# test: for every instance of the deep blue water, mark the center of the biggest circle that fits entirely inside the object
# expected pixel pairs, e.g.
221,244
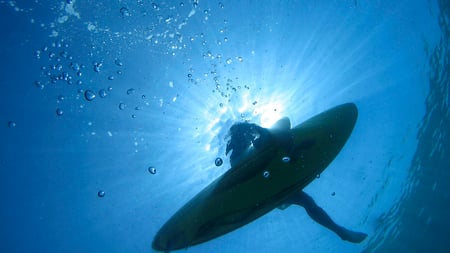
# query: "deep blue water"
170,78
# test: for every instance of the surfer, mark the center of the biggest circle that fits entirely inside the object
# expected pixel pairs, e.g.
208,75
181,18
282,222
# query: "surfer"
246,138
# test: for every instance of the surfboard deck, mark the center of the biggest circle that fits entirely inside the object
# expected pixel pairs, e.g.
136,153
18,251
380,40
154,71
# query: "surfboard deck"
260,183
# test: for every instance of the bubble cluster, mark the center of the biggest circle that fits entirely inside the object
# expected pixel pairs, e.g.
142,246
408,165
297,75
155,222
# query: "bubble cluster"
58,66
97,66
164,33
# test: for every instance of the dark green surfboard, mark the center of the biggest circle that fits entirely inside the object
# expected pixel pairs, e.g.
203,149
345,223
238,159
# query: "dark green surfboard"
261,182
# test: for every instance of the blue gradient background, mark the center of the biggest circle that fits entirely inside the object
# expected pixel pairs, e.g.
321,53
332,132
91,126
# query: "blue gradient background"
195,68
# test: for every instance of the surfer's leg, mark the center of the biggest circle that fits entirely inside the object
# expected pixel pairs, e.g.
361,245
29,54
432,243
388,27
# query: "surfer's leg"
321,217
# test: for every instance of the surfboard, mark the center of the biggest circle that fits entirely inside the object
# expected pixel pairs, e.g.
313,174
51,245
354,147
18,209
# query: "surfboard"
261,182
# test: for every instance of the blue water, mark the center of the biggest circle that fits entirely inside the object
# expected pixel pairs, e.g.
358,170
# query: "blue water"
96,92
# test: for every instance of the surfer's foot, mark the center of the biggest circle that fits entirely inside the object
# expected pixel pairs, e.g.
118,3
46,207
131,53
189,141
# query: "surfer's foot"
351,236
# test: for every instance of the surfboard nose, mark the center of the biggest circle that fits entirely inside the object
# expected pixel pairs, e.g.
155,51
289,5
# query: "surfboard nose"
352,110
170,237
158,244
347,113
161,243
339,119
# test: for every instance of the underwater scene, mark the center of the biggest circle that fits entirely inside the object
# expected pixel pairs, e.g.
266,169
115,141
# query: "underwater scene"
225,126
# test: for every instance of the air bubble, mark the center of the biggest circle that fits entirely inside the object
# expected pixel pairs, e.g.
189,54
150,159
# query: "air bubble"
74,66
101,194
266,174
218,162
240,59
102,93
64,54
37,54
118,62
286,159
59,112
11,124
124,12
229,61
89,95
97,66
61,98
152,170
39,85
318,176
130,91
122,106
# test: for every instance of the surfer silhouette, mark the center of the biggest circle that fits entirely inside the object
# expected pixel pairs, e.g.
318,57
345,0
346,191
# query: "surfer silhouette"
246,138
269,169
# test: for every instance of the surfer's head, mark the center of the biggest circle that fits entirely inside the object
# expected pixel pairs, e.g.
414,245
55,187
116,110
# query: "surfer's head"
243,138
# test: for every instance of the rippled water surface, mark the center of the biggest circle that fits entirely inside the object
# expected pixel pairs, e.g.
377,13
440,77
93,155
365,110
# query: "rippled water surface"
115,113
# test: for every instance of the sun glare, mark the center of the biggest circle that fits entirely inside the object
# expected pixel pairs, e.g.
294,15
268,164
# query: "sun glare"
269,114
